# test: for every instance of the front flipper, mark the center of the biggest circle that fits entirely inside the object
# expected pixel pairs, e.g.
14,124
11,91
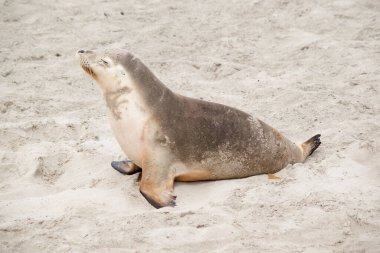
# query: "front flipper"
125,167
159,199
157,185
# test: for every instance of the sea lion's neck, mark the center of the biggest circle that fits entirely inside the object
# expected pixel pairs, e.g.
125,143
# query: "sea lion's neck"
149,87
116,100
138,87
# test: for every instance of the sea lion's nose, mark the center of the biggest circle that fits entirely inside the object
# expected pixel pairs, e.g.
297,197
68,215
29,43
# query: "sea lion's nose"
85,51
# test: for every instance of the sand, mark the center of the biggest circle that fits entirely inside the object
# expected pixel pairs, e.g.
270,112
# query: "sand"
305,67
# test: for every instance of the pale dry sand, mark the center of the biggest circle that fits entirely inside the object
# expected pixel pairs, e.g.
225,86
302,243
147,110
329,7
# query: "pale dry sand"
305,67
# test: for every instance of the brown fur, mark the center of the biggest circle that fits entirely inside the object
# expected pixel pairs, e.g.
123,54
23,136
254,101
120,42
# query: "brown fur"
202,130
187,139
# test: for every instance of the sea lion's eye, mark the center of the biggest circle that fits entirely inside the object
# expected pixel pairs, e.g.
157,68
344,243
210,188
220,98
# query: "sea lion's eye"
104,62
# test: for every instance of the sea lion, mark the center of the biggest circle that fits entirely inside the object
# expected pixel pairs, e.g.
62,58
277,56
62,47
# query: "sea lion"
170,137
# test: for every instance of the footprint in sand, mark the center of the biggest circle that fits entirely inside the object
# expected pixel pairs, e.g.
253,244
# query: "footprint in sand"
50,168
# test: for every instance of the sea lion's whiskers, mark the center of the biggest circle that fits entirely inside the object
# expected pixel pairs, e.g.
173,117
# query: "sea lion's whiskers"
89,70
86,67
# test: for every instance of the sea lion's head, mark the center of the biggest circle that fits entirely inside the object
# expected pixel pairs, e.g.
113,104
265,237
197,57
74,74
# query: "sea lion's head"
110,68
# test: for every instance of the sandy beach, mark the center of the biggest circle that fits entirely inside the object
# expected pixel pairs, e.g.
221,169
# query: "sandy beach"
304,67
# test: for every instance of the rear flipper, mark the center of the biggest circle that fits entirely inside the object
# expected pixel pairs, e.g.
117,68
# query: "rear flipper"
311,145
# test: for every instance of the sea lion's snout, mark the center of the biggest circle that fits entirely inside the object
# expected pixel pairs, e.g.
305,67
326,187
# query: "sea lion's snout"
84,61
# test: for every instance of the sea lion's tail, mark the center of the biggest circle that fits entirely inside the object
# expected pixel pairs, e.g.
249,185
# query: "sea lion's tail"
311,145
